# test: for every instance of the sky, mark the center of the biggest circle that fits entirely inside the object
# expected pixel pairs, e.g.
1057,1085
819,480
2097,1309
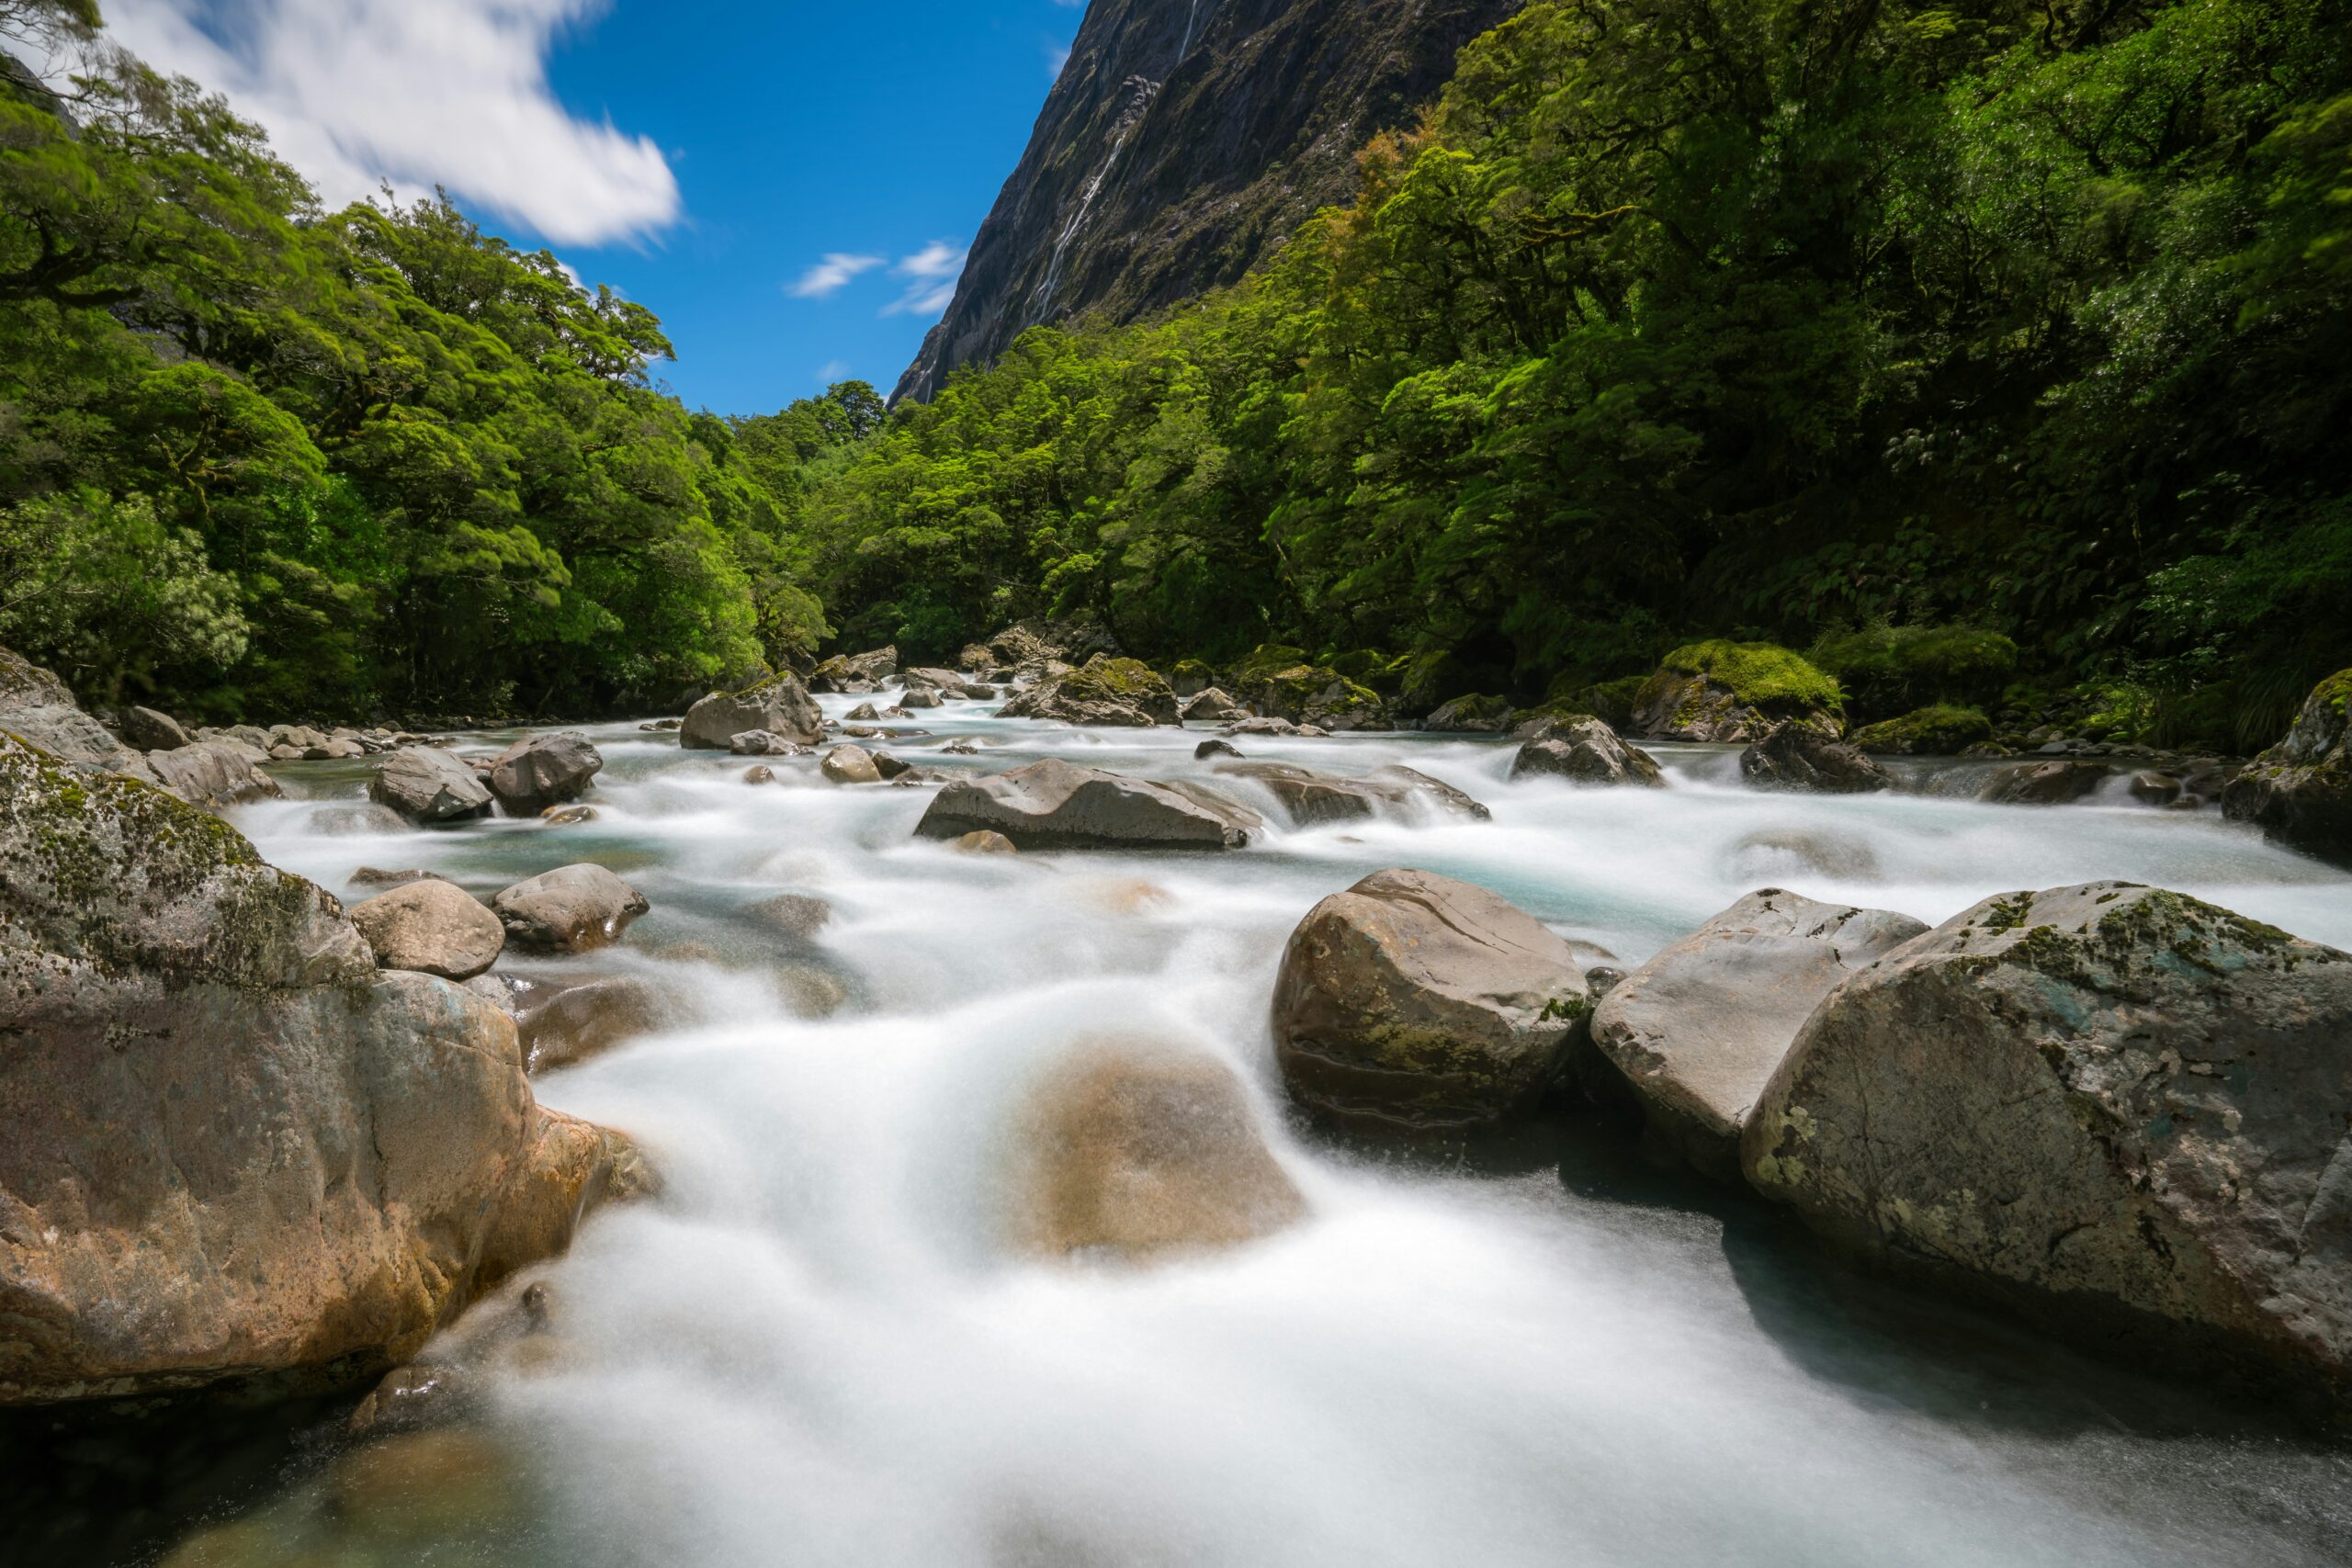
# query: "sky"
790,184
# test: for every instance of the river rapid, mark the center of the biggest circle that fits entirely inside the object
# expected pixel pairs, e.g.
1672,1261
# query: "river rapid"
813,1348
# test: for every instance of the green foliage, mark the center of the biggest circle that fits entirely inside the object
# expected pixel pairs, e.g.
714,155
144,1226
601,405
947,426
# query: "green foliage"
1887,669
1757,673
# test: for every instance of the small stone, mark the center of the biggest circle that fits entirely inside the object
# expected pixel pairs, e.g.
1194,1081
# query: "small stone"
987,844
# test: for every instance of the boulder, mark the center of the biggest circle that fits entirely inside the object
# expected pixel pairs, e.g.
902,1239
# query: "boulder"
1056,805
2043,783
890,766
1137,1151
1212,706
210,773
986,843
427,786
2120,1108
864,670
2299,792
24,685
571,910
544,770
587,1019
1419,1002
149,729
230,1148
780,705
851,765
1587,751
1471,716
863,713
1736,694
1309,799
1307,694
1801,760
1699,1030
1115,693
1208,748
1187,678
376,876
67,733
918,698
763,743
433,928
1940,731
1260,727
759,775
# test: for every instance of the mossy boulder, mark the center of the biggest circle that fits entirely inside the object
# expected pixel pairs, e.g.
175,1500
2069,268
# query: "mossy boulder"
1938,731
1104,692
2299,792
1887,669
780,705
2120,1108
1190,677
1295,688
230,1149
1425,681
1474,714
1736,694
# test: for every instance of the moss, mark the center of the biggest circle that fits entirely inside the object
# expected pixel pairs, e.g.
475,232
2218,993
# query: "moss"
1475,712
2008,914
1885,666
1760,674
1105,679
1262,663
1559,710
1192,670
1941,730
1374,671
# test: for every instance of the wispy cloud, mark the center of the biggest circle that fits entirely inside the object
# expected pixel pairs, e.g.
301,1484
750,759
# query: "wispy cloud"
932,274
1056,60
357,94
829,277
832,372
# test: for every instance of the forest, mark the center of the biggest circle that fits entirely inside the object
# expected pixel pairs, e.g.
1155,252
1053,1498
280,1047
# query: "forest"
1991,352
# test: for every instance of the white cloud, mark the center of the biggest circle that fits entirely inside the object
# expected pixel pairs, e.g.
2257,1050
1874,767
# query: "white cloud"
932,274
1056,60
417,93
832,372
829,276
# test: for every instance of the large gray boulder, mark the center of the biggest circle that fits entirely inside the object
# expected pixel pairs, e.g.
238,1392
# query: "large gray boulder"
431,927
1113,693
859,670
1586,750
2299,792
1802,761
212,773
1057,804
1699,1030
780,705
230,1149
545,770
1312,799
571,910
73,735
428,785
24,685
2121,1107
1419,1002
149,729
851,765
1212,706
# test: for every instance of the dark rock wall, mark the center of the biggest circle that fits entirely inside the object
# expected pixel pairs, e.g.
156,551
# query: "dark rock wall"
1185,139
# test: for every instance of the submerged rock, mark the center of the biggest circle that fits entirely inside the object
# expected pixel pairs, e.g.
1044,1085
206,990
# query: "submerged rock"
2299,792
571,910
1057,804
1417,1001
166,996
1309,799
432,927
987,844
1699,1030
2122,1108
1139,1151
427,786
587,1019
1115,692
851,765
543,771
1587,751
1799,759
779,705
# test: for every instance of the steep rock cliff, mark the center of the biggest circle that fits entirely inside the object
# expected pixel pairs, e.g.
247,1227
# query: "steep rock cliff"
1184,140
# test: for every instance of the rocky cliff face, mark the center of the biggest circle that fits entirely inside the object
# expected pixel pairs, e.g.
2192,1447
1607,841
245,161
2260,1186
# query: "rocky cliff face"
1185,139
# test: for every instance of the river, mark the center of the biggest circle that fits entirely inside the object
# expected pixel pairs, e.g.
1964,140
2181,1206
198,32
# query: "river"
812,1348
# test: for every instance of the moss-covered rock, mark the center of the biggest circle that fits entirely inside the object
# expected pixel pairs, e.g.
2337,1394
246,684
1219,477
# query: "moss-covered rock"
1306,692
2299,792
1938,731
1887,669
1736,694
1106,692
229,1148
1190,677
1474,715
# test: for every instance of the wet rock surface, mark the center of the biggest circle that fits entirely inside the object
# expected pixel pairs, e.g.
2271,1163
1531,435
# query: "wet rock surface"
543,771
428,786
1793,757
779,705
1058,804
1415,1001
431,927
2299,792
1587,751
575,908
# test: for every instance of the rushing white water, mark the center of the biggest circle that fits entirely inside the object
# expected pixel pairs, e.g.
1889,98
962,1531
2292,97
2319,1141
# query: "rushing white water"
811,1349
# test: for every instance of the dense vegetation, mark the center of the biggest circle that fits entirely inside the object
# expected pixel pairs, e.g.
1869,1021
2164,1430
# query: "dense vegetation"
1935,338
1972,347
259,461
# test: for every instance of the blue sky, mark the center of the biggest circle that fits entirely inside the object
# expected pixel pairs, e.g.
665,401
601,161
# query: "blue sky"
790,185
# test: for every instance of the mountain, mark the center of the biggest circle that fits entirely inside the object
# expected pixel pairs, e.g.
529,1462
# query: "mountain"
1184,140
